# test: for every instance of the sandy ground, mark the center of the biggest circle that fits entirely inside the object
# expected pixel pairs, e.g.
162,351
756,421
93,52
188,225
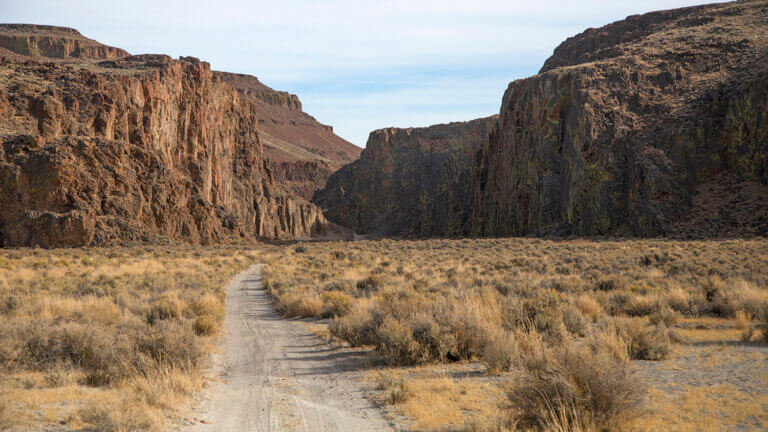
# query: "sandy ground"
275,375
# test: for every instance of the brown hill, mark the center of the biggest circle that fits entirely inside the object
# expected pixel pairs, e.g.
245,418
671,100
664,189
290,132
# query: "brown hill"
134,148
387,190
302,152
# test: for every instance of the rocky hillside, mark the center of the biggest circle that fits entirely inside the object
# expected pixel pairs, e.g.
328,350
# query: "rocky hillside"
387,190
301,151
55,42
133,148
655,125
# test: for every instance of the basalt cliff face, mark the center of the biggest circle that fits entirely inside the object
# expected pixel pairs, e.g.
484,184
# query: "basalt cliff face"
134,148
301,152
655,125
55,42
388,190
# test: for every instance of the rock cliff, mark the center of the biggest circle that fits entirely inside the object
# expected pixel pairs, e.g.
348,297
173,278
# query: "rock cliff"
627,127
56,42
387,191
301,152
656,125
134,148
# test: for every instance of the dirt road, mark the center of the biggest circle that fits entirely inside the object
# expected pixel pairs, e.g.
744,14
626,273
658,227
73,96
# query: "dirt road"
277,376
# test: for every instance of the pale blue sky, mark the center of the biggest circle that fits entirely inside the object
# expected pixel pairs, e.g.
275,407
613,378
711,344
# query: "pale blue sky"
356,65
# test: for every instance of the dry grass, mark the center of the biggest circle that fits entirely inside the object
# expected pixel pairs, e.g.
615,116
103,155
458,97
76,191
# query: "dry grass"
707,408
557,326
556,318
437,401
108,339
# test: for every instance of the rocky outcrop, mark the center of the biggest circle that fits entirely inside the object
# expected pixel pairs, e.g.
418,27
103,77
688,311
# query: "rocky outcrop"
656,125
56,42
388,190
626,124
302,152
136,148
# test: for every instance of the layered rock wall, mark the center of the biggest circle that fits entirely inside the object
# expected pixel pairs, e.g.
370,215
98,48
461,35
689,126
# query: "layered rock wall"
388,190
626,123
133,149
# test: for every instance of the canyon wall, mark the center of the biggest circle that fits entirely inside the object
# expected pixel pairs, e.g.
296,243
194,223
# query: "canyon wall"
387,191
135,148
301,152
656,125
629,126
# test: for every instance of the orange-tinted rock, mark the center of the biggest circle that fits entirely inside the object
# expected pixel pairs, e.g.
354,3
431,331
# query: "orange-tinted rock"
134,149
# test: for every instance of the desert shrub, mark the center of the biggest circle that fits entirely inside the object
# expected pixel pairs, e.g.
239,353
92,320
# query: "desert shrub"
589,307
617,300
210,305
542,313
437,343
467,324
485,423
336,303
575,387
357,327
398,390
572,284
500,353
640,306
664,315
643,342
338,254
338,285
9,304
611,282
371,283
686,302
171,343
306,305
396,345
743,322
573,320
162,308
206,325
730,296
124,416
512,312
